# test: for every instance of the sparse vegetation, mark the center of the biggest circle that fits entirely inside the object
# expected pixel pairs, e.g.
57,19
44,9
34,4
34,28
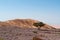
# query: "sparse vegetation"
17,33
39,25
35,32
36,38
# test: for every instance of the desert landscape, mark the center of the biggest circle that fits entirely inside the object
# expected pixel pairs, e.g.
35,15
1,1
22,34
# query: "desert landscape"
23,29
29,19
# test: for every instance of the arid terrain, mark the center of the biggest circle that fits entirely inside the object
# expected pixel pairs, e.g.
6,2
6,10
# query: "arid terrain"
23,29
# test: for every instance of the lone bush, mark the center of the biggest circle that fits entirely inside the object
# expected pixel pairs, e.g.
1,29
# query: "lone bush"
39,25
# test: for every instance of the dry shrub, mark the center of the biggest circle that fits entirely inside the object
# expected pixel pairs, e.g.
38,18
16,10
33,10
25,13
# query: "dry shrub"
1,38
36,38
35,32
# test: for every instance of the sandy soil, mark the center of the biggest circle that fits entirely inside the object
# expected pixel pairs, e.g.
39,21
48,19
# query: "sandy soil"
17,33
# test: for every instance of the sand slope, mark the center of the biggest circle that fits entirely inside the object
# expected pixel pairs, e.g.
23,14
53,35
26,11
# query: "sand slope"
24,23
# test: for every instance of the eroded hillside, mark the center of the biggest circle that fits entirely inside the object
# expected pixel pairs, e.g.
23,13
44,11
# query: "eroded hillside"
24,23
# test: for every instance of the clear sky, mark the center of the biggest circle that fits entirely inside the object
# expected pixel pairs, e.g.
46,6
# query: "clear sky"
45,10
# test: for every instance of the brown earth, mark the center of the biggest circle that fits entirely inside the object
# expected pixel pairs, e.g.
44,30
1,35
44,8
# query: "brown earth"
17,33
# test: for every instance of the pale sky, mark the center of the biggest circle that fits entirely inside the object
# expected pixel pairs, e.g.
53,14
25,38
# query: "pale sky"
47,11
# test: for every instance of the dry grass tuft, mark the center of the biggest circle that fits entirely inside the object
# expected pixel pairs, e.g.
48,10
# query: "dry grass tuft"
36,38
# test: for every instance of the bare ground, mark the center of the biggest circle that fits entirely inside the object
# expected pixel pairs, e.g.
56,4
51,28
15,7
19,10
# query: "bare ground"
16,33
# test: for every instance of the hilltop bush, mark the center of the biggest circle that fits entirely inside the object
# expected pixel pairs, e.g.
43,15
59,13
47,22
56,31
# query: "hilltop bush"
39,25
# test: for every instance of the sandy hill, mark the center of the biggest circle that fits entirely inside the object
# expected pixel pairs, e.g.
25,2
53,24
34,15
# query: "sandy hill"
24,23
23,29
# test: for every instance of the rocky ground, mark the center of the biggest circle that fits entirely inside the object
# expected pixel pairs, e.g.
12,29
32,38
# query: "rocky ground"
17,33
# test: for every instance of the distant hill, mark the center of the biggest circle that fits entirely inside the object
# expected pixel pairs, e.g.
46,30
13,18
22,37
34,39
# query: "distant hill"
24,23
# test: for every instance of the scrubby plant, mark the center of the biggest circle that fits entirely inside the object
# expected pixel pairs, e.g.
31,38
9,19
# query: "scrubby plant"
39,25
36,38
1,38
35,32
